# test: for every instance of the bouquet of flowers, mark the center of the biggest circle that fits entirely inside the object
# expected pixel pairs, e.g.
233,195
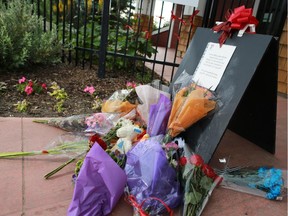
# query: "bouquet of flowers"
190,104
66,145
74,123
97,191
100,123
197,178
262,181
117,103
148,96
150,178
200,180
158,116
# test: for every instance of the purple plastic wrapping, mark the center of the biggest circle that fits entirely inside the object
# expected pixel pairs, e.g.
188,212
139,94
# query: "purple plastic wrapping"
158,116
150,175
96,192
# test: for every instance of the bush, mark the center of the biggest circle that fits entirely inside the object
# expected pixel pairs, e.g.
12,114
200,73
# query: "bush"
22,39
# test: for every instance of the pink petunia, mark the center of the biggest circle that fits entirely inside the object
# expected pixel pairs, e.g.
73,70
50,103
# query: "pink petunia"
22,80
28,90
89,89
30,83
131,84
44,86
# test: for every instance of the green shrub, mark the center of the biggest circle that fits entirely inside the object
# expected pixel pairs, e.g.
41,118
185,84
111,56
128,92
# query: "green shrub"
22,39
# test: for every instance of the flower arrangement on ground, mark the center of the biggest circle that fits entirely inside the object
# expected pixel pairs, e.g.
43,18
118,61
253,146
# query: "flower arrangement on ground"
263,181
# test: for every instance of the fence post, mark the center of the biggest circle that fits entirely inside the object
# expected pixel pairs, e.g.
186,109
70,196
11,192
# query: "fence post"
104,38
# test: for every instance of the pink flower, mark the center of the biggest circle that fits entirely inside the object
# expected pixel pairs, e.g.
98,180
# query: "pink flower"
22,80
44,86
99,118
28,90
30,83
171,145
131,84
89,89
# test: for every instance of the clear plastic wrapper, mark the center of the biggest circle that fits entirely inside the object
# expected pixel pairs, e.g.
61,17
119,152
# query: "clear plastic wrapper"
101,123
150,175
118,103
75,123
148,96
96,192
66,145
197,178
182,81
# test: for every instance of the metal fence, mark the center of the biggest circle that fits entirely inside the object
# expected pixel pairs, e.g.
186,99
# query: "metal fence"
123,35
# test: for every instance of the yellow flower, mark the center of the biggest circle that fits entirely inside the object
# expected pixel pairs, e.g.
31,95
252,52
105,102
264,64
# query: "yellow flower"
61,6
100,4
54,8
89,4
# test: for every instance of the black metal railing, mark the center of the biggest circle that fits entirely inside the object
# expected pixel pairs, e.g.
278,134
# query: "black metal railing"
116,34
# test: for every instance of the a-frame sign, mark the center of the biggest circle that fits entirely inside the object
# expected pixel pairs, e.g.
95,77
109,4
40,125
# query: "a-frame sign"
247,91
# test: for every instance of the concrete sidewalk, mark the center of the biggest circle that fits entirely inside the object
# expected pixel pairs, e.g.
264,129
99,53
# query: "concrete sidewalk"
24,191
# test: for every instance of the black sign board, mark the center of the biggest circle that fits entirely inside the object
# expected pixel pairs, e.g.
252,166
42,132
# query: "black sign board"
247,90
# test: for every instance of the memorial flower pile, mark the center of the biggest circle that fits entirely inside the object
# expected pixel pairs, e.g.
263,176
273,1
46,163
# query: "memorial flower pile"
153,167
141,145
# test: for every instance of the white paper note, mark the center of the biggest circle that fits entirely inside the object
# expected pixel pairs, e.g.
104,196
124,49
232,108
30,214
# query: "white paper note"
212,65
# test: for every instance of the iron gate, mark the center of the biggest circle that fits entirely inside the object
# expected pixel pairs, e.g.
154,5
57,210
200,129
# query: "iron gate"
119,35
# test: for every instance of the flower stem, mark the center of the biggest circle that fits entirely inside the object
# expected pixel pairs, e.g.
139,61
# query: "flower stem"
48,175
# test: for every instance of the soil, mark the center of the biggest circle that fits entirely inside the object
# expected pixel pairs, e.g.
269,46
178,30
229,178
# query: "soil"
72,78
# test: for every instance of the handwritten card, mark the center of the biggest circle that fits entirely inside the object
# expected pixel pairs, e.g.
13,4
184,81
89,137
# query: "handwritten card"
212,65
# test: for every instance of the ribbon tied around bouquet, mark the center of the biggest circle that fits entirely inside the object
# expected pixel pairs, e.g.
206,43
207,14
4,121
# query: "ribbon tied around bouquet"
239,19
138,207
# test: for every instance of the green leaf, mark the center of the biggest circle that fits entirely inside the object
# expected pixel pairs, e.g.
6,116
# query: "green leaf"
206,183
193,197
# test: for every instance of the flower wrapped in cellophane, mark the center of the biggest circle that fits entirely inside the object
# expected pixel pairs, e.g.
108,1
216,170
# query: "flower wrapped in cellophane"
118,103
158,116
74,123
190,104
265,182
148,96
150,176
66,145
96,190
100,123
199,180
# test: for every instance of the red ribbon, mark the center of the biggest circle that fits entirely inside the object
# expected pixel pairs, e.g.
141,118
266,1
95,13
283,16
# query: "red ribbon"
132,200
236,20
191,18
128,27
173,16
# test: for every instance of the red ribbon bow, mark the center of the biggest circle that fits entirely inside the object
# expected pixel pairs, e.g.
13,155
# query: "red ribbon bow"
236,20
132,200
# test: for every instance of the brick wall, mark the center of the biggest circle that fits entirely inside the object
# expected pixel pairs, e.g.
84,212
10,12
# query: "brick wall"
185,29
282,62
